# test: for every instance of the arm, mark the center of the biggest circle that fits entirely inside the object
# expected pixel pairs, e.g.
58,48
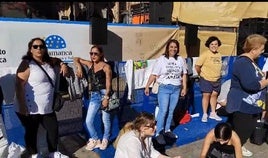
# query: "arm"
184,77
199,62
184,85
63,67
108,74
237,145
198,69
151,79
206,144
263,83
22,76
77,63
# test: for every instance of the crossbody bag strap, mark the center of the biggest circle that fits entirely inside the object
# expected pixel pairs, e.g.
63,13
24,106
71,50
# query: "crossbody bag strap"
117,80
50,80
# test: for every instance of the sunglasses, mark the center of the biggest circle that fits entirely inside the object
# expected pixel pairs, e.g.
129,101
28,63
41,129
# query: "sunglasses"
94,53
38,46
152,125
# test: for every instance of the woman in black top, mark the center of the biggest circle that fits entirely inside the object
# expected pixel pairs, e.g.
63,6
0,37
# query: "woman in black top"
100,75
221,141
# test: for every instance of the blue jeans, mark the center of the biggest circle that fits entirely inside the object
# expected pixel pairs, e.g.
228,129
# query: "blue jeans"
168,97
93,108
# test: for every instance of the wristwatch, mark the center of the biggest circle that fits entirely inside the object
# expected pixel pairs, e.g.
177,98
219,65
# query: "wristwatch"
106,97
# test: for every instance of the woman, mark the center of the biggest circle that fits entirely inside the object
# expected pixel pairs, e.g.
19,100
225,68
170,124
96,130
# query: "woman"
34,97
170,72
246,98
100,74
208,67
221,141
137,141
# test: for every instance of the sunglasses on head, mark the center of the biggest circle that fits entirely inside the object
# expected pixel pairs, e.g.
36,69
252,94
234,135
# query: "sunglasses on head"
38,46
94,53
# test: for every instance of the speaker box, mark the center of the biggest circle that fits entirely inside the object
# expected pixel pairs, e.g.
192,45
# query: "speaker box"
191,32
251,26
160,13
98,31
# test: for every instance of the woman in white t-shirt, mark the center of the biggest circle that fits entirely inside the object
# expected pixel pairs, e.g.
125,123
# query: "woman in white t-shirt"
137,141
170,71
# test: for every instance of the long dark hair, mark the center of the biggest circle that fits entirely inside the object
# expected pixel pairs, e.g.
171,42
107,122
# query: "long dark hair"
29,55
166,54
223,131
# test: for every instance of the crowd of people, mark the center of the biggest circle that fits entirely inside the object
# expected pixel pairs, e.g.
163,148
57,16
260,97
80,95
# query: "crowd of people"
244,103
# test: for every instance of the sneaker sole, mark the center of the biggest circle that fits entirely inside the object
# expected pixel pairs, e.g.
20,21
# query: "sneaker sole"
247,155
215,119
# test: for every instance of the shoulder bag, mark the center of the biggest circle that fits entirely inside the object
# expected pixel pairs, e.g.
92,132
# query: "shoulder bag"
59,96
114,101
155,87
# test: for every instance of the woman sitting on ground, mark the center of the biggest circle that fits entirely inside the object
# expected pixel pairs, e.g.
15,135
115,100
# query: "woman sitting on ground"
221,141
137,142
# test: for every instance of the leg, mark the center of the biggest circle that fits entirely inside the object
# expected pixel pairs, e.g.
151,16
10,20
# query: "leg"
50,123
173,101
106,118
93,108
30,125
213,101
163,102
205,102
244,125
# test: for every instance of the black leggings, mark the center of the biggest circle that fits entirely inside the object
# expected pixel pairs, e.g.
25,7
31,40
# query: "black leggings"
31,124
243,124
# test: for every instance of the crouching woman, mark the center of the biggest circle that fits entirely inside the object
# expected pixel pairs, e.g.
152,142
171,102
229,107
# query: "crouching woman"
221,141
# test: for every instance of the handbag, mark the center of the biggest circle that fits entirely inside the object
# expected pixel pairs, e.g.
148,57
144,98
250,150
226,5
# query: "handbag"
114,103
259,135
59,97
155,88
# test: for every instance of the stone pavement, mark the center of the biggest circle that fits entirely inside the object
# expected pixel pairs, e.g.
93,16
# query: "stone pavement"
73,146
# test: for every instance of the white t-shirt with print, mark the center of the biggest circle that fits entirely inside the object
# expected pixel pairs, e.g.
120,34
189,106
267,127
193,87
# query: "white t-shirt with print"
170,71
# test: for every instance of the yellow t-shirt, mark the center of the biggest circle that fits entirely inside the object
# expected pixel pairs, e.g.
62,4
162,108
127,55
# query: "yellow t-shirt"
211,64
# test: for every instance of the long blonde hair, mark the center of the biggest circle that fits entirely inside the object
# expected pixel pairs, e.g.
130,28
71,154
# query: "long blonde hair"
142,119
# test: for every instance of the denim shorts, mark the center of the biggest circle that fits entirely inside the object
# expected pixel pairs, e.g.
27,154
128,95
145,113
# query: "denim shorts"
209,86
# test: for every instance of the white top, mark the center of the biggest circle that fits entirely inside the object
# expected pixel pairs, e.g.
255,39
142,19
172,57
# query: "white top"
170,71
129,146
38,90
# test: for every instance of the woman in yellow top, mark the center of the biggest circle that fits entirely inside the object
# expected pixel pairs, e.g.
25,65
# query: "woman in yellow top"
221,141
208,66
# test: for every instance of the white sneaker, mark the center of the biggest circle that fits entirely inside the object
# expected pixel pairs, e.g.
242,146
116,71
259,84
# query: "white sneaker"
104,144
215,116
57,154
246,152
204,118
34,156
92,144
